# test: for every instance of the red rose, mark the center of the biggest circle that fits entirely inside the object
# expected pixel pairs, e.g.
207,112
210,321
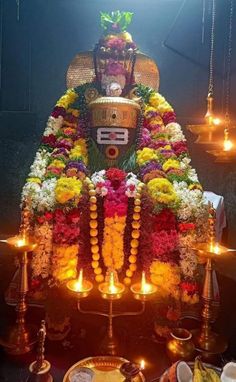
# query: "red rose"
183,227
48,216
116,176
49,140
73,216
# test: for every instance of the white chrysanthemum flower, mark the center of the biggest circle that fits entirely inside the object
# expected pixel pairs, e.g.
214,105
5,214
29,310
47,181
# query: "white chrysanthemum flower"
191,201
175,132
46,199
184,164
192,175
98,177
53,125
39,166
31,191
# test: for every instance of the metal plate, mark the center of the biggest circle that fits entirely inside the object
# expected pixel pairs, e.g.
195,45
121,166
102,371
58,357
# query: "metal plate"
106,369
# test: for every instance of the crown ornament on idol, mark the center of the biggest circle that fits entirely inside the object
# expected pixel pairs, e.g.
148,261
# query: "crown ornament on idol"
115,54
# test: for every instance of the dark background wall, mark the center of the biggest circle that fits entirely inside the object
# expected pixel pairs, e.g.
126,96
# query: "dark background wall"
39,40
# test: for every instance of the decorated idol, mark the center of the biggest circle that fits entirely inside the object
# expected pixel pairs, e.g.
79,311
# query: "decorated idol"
111,186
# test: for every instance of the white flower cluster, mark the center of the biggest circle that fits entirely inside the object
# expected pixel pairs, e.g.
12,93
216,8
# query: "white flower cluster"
46,197
53,125
131,185
42,196
31,191
42,254
175,132
188,259
191,201
39,166
98,178
99,181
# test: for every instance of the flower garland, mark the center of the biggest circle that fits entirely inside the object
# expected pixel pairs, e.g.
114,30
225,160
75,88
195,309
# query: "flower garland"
115,186
174,190
55,184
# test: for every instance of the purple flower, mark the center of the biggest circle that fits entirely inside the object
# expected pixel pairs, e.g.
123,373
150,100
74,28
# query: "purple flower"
61,151
78,165
150,167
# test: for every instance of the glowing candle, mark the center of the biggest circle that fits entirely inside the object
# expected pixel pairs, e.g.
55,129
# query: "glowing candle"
142,364
145,287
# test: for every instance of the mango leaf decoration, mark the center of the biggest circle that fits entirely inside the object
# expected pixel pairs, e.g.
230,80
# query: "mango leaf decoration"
115,21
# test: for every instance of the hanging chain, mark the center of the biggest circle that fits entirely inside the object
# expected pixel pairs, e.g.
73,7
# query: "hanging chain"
18,10
228,64
210,87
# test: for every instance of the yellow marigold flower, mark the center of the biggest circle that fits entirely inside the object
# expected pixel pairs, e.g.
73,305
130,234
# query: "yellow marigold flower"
154,100
146,155
195,186
63,270
147,109
34,180
74,112
164,107
68,98
161,190
82,144
57,163
170,163
167,277
67,189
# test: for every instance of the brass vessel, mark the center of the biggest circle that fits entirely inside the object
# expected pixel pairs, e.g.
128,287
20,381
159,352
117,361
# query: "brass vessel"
180,346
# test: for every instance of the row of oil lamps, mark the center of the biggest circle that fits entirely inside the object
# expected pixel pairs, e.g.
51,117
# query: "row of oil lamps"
111,289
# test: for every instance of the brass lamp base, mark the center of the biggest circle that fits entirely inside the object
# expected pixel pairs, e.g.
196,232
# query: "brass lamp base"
213,343
109,345
19,339
41,375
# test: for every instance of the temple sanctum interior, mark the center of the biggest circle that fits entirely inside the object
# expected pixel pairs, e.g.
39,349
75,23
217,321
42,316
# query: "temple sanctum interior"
118,191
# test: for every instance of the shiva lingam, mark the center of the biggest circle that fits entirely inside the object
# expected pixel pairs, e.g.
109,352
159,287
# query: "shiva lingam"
205,340
20,338
111,290
40,369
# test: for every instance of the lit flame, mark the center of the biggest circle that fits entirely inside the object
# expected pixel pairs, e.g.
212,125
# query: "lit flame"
227,145
112,288
216,121
20,242
214,248
79,282
145,287
142,364
227,142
